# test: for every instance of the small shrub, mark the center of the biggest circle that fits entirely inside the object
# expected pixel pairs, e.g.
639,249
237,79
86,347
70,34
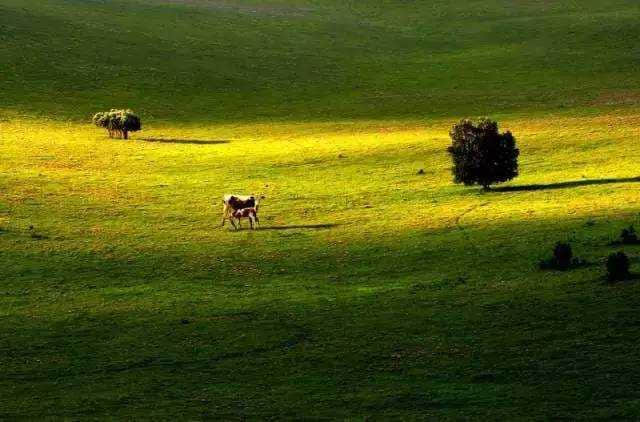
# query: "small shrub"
628,236
481,155
617,267
35,235
118,123
562,259
562,255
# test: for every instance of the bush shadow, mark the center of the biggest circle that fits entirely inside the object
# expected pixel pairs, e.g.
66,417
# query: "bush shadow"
185,141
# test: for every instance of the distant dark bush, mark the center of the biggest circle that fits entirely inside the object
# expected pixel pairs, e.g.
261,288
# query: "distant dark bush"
617,267
118,122
562,259
628,236
481,155
35,235
562,255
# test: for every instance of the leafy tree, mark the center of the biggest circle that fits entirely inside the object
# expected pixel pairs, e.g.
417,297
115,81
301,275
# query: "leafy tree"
481,155
118,122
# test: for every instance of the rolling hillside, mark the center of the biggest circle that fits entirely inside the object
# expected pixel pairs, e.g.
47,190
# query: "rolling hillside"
307,60
370,290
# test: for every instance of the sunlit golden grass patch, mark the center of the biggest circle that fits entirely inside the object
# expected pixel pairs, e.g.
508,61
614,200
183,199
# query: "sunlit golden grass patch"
360,175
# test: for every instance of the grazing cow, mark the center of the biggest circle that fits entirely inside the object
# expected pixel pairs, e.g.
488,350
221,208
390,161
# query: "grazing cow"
250,213
231,203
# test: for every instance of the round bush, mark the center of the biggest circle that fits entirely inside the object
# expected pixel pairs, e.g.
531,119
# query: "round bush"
628,236
618,266
562,255
118,122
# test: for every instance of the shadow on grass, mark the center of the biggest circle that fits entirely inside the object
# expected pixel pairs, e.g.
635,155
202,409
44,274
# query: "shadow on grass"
295,226
632,278
615,243
563,185
186,141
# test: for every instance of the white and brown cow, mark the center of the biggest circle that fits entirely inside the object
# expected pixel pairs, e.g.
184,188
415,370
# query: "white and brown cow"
232,203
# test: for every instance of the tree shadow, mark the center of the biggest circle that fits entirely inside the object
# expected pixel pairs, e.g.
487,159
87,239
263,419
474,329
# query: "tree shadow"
563,185
185,141
295,226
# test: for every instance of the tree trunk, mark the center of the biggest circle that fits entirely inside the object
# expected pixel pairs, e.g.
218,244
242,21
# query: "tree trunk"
125,134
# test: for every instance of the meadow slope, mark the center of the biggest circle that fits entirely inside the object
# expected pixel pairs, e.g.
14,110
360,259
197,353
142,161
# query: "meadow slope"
370,290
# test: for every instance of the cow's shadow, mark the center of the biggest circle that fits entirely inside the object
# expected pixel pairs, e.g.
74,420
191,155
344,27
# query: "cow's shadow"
292,227
186,141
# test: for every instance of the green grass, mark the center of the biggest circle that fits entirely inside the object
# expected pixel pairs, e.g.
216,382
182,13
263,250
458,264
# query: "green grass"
370,291
217,60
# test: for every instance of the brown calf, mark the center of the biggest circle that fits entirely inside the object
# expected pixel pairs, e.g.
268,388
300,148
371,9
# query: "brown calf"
250,213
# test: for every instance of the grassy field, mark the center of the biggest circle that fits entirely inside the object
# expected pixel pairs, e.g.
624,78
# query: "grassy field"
371,291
